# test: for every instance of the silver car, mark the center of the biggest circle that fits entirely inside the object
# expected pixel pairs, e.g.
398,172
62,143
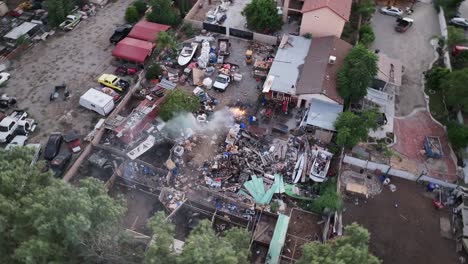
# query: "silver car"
459,22
391,11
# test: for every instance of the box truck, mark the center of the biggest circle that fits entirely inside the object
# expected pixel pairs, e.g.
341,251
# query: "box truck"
97,101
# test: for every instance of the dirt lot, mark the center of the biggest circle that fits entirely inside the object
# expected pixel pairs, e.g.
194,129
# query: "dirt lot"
76,58
409,233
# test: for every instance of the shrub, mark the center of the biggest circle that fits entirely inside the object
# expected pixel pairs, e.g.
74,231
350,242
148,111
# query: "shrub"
153,72
141,7
132,15
188,30
366,35
434,78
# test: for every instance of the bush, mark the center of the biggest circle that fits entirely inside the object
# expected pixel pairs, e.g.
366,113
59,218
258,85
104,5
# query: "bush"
457,135
141,7
162,12
328,198
434,78
367,36
153,72
132,15
188,30
450,6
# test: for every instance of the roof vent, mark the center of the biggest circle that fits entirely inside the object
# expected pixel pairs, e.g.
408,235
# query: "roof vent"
332,60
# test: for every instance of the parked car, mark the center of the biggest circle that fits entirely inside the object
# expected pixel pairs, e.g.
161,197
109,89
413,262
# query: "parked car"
391,11
120,33
59,163
114,82
4,77
221,82
403,24
17,141
459,22
52,147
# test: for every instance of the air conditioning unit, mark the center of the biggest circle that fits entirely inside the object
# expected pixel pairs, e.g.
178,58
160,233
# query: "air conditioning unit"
332,60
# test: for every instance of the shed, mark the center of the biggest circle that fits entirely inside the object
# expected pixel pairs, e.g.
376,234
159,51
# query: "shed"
134,50
323,114
145,30
20,31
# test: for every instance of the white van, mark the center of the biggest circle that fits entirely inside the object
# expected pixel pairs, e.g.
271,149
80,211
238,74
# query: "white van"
97,101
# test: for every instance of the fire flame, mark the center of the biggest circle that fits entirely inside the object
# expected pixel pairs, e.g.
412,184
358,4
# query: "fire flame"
237,112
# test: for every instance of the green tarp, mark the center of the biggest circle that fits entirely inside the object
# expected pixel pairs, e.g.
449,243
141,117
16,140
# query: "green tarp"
257,189
277,241
295,192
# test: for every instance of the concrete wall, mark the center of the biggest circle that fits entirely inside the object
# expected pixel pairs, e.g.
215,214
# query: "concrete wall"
321,23
444,34
195,24
272,40
382,167
192,11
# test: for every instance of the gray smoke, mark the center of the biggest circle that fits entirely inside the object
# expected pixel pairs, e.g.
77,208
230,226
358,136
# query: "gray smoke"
219,121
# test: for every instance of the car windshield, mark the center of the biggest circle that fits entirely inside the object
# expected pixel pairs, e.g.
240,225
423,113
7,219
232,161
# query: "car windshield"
221,79
3,129
114,80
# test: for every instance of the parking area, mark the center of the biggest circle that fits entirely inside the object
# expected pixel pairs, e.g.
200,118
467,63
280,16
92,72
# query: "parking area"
412,48
404,226
234,18
75,58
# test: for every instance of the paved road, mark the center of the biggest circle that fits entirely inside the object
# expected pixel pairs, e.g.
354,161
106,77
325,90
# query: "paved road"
412,48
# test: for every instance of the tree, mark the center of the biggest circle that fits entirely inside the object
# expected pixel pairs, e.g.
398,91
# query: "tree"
166,41
455,36
352,248
45,220
457,135
162,12
58,10
153,72
352,128
366,8
366,35
434,78
201,246
131,14
456,93
160,250
178,101
140,6
262,16
357,73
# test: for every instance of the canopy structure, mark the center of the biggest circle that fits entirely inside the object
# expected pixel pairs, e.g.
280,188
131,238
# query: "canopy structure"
257,190
145,30
278,239
134,50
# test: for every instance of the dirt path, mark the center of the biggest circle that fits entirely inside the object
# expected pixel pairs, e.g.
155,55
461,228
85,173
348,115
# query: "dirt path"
76,58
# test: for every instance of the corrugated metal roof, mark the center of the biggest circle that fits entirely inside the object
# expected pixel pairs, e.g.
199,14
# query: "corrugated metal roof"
287,64
133,49
277,241
257,190
323,114
146,30
19,31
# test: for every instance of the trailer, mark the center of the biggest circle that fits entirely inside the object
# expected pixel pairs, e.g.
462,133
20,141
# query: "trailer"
261,68
432,147
223,47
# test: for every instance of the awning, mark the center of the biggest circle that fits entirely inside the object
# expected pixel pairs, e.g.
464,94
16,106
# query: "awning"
145,30
278,239
323,114
133,50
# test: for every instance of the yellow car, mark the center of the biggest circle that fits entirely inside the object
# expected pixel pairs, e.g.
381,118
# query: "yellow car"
114,82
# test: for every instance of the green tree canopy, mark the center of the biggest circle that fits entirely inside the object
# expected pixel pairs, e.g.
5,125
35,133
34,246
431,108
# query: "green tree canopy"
366,35
352,248
141,7
166,40
162,12
262,16
434,78
456,90
131,14
366,8
45,220
58,10
455,36
178,101
457,135
202,245
357,73
352,128
153,72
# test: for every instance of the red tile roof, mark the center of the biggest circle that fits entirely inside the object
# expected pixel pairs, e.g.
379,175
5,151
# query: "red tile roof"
340,7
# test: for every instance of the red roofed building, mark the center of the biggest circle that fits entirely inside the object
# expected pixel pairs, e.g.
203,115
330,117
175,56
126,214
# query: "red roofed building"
321,18
133,50
147,31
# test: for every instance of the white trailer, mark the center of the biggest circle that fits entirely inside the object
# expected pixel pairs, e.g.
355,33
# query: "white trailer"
97,101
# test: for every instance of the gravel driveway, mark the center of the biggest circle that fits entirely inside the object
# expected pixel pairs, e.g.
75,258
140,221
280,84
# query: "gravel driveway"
76,58
412,48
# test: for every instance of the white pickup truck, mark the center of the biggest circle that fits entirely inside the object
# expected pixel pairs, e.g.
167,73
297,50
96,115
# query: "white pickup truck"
16,123
221,82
